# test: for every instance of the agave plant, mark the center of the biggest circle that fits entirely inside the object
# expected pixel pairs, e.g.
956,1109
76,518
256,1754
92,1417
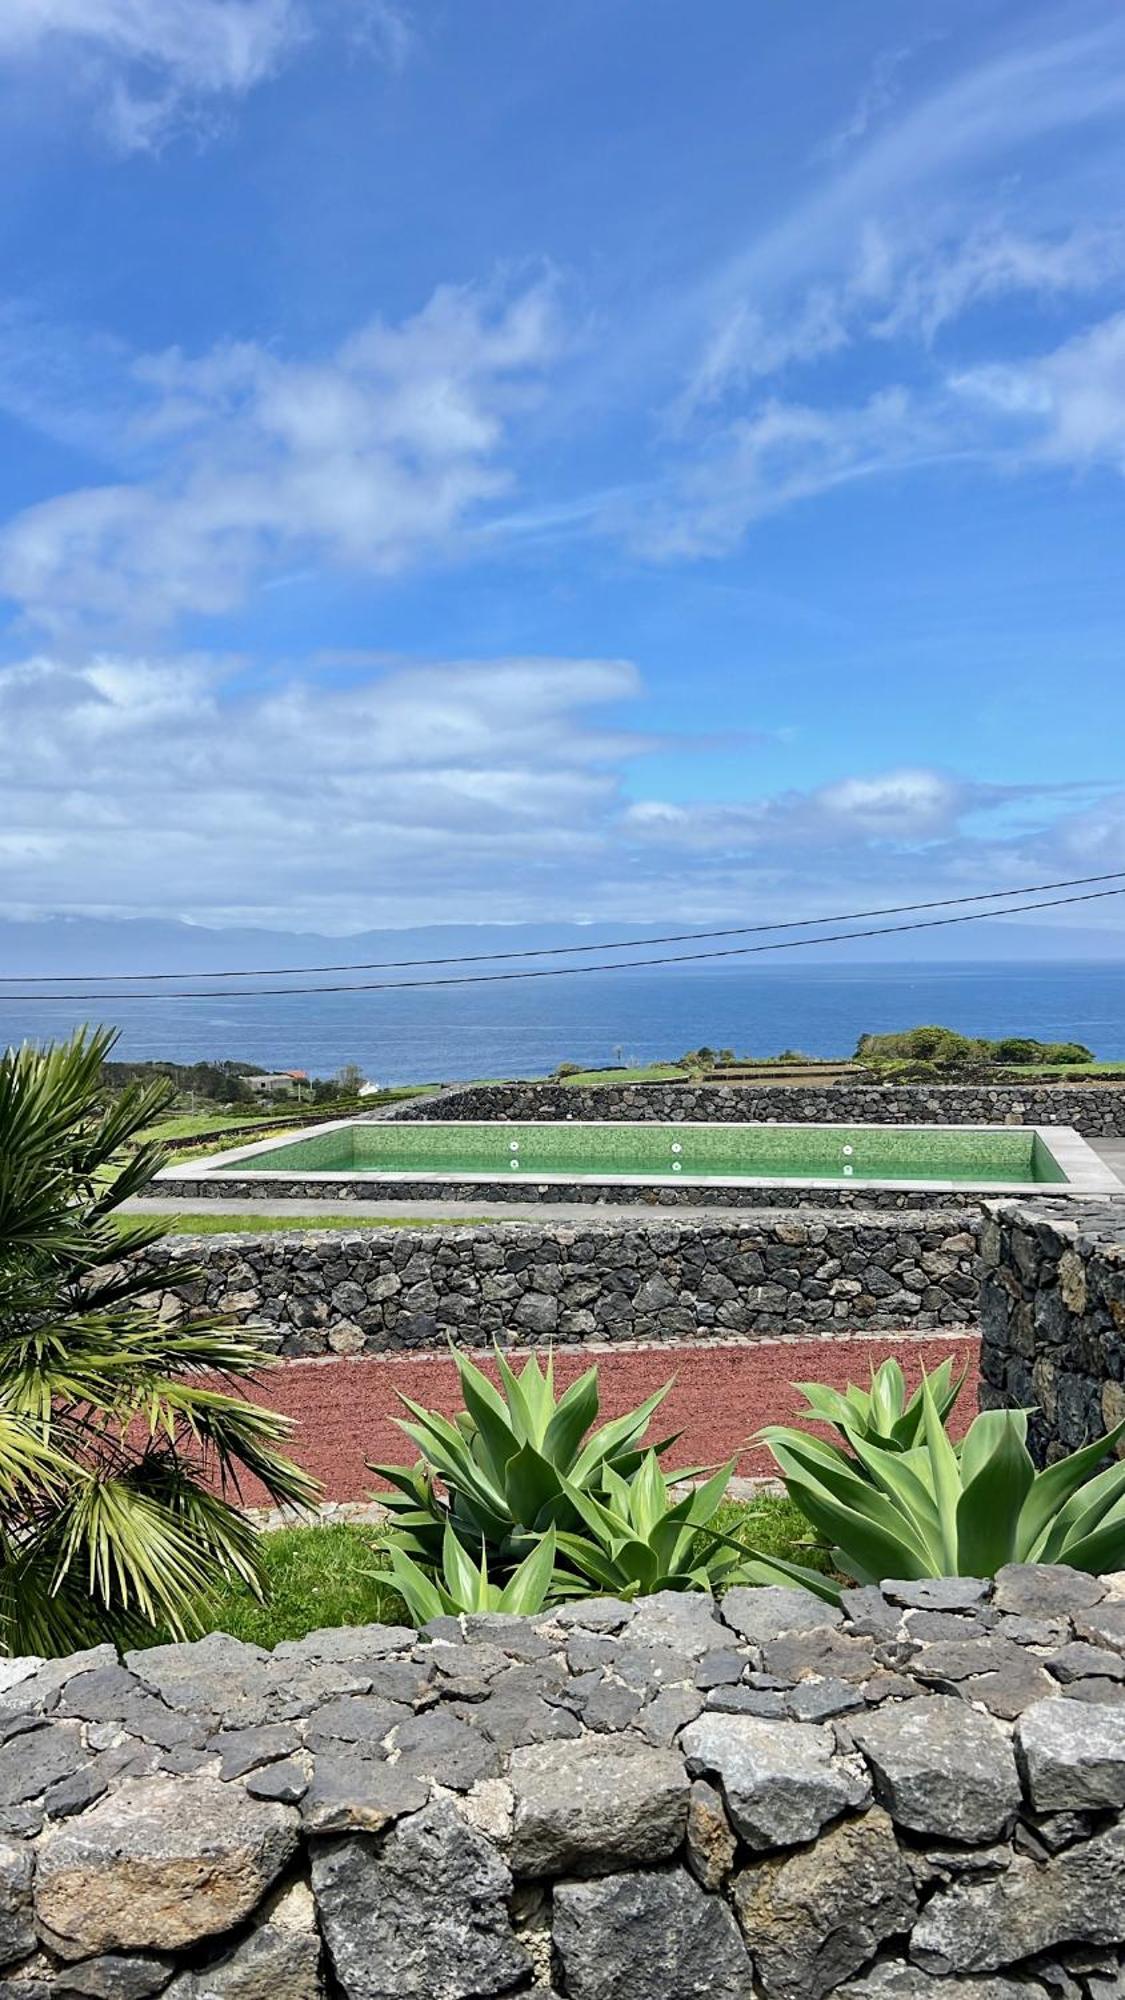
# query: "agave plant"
119,1457
940,1509
882,1413
639,1539
463,1585
510,1463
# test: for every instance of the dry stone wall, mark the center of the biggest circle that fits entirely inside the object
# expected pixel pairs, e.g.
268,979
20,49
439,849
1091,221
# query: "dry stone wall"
1092,1109
384,1290
1053,1318
920,1794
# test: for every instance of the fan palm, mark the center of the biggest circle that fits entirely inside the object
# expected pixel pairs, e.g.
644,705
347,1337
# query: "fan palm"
123,1440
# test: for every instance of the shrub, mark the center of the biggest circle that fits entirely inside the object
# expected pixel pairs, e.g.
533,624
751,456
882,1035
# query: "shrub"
568,1069
116,1456
509,1463
1066,1052
940,1509
1018,1049
638,1539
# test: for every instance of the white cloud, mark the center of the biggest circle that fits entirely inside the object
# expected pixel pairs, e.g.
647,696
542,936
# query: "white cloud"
155,66
1068,406
366,459
150,786
364,793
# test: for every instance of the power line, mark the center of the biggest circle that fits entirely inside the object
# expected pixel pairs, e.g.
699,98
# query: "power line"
560,950
565,971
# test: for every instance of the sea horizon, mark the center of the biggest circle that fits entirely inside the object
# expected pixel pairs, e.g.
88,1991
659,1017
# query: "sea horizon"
633,1017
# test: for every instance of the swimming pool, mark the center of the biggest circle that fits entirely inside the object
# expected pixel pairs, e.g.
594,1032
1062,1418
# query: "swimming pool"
983,1157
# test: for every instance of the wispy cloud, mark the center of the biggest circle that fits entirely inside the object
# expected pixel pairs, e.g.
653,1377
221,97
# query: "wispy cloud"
152,68
365,459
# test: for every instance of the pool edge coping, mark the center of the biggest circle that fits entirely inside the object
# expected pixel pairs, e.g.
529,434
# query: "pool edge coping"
1085,1173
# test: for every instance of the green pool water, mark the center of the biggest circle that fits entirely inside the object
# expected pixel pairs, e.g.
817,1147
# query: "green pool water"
575,1151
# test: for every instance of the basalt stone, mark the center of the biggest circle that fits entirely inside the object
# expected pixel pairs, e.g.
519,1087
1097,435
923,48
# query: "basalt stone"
440,1746
242,1750
280,1959
356,1718
1072,1755
684,1621
636,1936
711,1845
512,1720
17,1922
594,1806
780,1780
424,1916
1077,1897
820,1700
215,1674
941,1768
813,1918
661,1720
1081,1661
1104,1625
113,1977
607,1705
773,1610
722,1668
348,1642
896,1981
31,1763
593,1614
828,1654
1045,1590
744,1700
287,1782
159,1864
41,1688
936,1593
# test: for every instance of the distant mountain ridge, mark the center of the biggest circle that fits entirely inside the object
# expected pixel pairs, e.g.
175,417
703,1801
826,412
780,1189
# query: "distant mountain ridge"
99,947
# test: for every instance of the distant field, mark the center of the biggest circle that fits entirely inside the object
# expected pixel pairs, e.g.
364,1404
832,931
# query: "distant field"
658,1073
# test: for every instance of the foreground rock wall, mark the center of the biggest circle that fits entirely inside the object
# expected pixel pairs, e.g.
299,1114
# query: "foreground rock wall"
1092,1109
1053,1317
767,1799
383,1290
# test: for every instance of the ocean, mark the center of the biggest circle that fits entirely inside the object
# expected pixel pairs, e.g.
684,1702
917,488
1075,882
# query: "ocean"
524,1029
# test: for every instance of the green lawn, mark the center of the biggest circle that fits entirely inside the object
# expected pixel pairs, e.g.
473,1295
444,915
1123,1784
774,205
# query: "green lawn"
201,1223
336,1574
656,1073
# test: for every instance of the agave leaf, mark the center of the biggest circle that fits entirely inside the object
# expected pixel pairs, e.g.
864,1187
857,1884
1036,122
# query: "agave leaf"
706,1499
575,1413
998,1473
1104,1548
759,1569
531,1483
888,1394
591,1562
1084,1511
489,1413
617,1435
646,1497
523,1423
880,1541
946,1475
421,1595
1054,1487
526,1591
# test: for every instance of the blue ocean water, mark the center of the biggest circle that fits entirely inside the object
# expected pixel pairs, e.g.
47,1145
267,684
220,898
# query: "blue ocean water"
524,1029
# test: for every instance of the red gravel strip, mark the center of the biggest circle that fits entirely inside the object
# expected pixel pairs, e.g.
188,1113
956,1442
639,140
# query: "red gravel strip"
722,1394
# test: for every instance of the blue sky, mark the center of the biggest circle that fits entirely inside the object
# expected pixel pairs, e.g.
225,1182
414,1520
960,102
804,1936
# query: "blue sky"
481,461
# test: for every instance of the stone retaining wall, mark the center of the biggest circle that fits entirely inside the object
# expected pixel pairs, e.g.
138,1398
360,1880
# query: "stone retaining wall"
1053,1317
1092,1109
845,1195
770,1799
675,1279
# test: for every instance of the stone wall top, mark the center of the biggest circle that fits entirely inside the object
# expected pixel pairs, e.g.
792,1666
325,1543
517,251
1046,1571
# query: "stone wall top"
1092,1109
922,1791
